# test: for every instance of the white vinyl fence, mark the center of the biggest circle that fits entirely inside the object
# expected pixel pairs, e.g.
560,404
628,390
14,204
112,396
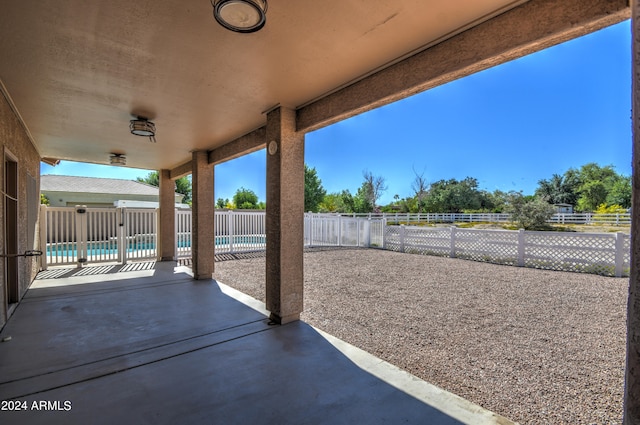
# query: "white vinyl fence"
337,230
599,253
235,232
80,235
239,231
574,218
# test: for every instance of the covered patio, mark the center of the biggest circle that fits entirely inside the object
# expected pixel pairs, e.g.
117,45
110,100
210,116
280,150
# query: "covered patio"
82,82
156,346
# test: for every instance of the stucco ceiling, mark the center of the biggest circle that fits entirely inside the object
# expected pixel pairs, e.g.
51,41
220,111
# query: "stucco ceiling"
77,71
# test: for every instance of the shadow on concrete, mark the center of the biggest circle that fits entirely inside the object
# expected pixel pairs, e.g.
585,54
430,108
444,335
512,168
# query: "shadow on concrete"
165,349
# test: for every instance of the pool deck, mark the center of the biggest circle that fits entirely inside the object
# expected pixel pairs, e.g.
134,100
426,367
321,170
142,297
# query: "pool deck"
148,344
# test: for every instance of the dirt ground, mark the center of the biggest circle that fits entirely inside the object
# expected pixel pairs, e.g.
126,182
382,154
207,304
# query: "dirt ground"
536,346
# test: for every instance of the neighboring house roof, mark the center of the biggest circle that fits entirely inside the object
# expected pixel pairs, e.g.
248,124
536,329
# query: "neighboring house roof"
55,183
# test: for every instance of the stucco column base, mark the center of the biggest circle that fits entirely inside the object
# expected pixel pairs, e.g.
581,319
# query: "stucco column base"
274,319
285,216
202,222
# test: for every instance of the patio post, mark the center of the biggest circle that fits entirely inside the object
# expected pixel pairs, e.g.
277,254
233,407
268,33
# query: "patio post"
167,225
631,409
202,210
285,216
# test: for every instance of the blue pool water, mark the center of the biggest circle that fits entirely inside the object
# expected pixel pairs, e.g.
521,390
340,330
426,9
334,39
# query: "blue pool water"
69,249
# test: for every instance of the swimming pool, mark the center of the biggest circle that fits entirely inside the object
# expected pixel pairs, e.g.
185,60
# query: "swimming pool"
109,249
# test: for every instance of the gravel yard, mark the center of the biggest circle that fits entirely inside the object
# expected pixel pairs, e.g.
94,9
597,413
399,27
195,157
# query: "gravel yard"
539,347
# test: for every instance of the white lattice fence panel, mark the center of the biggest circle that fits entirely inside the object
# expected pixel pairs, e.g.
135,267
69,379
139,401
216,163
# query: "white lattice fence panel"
585,252
436,241
392,238
500,247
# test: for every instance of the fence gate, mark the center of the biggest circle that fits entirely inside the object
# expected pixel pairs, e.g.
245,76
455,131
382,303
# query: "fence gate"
81,235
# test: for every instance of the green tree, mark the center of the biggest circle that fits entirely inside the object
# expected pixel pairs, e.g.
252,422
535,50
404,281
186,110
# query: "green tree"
454,196
347,202
587,187
222,203
43,199
529,214
620,192
152,179
245,199
364,200
494,202
314,193
595,182
332,202
182,185
558,189
592,194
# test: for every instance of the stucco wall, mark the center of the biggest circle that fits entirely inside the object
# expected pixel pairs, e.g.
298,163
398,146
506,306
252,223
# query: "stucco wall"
13,138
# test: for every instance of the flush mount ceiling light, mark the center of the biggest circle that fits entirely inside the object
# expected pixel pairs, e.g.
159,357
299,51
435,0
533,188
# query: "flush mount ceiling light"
240,15
118,159
143,127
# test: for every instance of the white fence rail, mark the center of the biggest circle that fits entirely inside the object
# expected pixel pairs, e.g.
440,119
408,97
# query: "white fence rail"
599,253
336,230
88,235
80,235
183,234
575,218
77,235
235,232
238,231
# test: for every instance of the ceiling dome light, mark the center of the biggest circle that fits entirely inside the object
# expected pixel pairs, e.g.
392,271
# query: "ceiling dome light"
118,159
240,15
143,127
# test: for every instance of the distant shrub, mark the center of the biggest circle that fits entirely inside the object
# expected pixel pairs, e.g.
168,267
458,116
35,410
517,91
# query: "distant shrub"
611,209
529,214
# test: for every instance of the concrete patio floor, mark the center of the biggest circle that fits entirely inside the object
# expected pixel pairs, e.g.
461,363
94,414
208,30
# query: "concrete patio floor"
152,345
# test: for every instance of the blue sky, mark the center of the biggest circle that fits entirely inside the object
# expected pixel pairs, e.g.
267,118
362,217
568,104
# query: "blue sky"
508,126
